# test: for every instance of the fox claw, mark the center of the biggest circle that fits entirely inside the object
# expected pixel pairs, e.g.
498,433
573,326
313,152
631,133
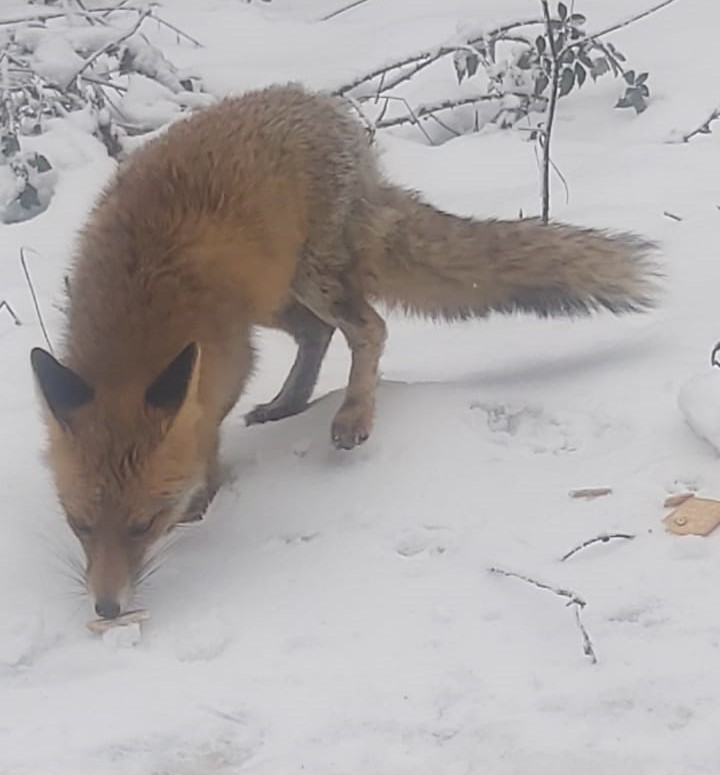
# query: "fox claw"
351,427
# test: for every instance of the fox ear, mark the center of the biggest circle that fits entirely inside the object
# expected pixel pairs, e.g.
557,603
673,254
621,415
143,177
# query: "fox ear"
171,387
63,390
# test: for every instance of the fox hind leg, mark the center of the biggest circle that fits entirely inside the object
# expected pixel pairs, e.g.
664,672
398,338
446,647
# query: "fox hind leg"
312,336
340,305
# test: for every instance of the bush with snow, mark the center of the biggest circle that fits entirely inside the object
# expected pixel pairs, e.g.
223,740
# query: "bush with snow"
505,73
87,63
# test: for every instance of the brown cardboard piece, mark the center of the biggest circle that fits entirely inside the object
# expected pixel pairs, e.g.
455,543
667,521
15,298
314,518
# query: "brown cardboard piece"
695,516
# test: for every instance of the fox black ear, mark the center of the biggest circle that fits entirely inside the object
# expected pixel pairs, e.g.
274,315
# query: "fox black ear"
63,390
168,391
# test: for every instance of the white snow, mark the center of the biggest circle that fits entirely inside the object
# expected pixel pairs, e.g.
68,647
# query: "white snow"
335,613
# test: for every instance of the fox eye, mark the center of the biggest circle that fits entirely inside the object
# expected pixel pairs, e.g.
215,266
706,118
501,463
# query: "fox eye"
141,529
81,528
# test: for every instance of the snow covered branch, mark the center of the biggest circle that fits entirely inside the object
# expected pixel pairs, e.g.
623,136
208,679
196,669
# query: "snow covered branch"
97,62
525,66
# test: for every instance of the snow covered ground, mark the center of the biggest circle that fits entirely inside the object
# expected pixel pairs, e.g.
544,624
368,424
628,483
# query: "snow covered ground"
335,613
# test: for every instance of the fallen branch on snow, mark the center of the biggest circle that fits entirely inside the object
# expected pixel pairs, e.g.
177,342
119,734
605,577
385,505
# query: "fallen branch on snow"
5,305
573,600
703,129
604,538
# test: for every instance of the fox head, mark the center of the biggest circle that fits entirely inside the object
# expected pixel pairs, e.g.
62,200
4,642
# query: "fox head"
129,464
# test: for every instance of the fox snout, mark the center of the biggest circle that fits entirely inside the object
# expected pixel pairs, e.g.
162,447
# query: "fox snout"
111,570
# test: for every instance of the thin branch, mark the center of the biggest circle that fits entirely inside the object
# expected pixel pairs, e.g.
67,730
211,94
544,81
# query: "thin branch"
46,15
547,134
97,54
704,128
572,597
423,59
573,600
619,25
672,216
604,538
5,305
429,109
175,29
348,7
107,84
34,296
411,118
119,7
588,648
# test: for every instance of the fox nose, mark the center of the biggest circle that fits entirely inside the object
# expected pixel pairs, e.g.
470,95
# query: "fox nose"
107,609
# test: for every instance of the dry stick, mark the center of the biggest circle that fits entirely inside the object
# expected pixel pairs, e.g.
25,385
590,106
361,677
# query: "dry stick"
4,304
573,599
704,128
176,30
118,7
342,10
619,25
604,538
40,16
547,133
34,296
426,110
97,54
423,59
411,118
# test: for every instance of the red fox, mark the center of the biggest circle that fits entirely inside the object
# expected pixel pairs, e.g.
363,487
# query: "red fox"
267,209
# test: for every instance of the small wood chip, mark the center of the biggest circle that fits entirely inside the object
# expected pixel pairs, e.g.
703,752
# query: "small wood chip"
99,626
695,516
591,492
672,501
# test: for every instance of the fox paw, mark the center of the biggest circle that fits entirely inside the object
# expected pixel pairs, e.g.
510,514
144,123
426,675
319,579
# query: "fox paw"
270,412
351,426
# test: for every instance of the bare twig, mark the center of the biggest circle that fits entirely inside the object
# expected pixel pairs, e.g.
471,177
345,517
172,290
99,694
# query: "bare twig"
421,60
618,25
34,296
588,648
604,538
41,15
547,132
429,109
573,600
106,84
347,7
119,7
571,596
97,54
175,29
704,128
411,118
5,305
672,216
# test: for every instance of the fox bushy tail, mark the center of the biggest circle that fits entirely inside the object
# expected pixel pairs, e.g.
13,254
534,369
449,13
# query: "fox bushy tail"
438,265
